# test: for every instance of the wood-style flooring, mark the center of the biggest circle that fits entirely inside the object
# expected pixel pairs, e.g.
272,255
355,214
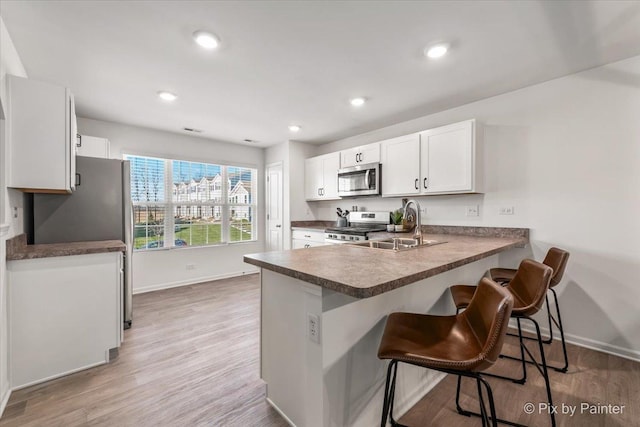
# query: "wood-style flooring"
192,359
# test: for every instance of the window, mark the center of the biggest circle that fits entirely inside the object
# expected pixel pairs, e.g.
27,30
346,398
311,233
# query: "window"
179,203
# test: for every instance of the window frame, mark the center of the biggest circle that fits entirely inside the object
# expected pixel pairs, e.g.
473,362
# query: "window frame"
224,204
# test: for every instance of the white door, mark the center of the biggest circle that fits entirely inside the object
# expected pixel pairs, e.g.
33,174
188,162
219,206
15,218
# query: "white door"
274,235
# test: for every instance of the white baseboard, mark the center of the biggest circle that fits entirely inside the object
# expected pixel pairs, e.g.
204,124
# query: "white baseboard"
399,411
59,375
192,281
5,400
274,406
603,347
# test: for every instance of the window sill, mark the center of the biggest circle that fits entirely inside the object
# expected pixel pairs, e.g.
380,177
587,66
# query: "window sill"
172,248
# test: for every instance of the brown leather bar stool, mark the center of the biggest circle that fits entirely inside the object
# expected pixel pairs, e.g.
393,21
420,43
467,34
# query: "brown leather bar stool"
556,259
529,288
463,345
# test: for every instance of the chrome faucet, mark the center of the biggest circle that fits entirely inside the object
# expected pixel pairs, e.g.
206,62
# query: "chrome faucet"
417,234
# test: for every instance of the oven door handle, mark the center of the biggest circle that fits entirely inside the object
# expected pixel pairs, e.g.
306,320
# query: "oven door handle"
366,178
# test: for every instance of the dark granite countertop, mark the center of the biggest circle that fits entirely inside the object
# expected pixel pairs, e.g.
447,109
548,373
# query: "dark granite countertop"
365,272
17,248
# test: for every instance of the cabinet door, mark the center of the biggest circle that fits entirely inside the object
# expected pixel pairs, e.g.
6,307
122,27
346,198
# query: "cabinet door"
39,126
71,140
313,176
400,158
65,314
370,153
298,244
360,155
330,166
447,159
349,157
91,146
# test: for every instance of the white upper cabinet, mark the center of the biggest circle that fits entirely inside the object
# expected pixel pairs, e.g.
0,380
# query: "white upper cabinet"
400,158
448,159
321,177
91,146
41,128
436,161
360,155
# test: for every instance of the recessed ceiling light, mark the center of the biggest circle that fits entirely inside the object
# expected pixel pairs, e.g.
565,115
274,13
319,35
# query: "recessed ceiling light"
294,128
436,51
206,39
167,96
357,102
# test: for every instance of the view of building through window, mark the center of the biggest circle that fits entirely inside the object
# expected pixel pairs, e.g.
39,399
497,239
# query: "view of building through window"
180,203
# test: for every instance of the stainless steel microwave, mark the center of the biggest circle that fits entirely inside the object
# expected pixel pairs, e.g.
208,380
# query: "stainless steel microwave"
360,180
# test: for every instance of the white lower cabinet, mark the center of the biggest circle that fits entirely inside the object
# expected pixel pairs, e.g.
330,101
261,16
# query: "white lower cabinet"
65,313
307,239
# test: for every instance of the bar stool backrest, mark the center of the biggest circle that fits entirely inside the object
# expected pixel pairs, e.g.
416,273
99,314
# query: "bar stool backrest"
529,287
557,259
488,316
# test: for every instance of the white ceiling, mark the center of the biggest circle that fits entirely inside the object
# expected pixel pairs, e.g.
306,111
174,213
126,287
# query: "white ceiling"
300,62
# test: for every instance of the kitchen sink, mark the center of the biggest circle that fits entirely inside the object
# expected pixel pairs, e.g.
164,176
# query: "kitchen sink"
396,244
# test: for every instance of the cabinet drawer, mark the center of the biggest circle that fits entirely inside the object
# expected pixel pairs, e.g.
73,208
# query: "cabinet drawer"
309,236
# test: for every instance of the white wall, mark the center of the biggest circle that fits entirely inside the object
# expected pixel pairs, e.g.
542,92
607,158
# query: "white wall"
566,155
9,64
167,267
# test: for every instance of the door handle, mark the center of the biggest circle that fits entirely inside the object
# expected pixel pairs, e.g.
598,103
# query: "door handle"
366,178
78,179
78,140
416,184
425,183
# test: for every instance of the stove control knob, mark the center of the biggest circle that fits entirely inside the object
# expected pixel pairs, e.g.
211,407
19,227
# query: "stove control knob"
343,237
351,238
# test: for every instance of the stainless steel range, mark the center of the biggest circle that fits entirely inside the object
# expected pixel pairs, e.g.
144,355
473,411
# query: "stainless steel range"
361,224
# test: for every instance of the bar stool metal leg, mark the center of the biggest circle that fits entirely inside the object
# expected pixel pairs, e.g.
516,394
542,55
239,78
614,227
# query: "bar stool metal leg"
389,394
561,329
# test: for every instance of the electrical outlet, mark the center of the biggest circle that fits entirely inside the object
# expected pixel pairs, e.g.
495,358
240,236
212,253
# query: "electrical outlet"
506,210
473,210
15,212
191,266
313,328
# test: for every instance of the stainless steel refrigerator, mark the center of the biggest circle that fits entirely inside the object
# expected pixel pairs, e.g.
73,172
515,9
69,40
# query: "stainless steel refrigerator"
99,209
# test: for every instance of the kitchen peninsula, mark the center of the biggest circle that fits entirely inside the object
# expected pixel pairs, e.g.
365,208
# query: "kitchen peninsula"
323,311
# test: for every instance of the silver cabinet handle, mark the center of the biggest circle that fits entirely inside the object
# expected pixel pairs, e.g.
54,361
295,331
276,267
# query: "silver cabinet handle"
308,236
278,226
416,184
